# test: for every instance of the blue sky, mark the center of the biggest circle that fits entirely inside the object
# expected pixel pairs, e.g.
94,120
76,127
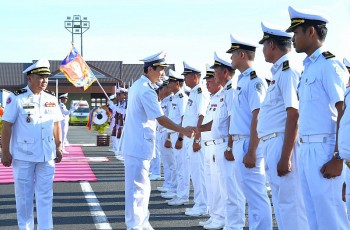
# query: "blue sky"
129,30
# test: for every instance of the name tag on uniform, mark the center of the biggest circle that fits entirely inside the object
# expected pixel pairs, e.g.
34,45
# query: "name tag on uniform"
189,102
28,109
50,104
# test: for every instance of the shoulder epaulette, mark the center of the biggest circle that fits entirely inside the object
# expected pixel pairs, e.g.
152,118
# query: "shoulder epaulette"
50,92
229,86
199,90
20,91
181,95
328,55
252,75
285,65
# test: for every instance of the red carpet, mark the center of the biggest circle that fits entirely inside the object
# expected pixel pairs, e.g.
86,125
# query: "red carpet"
74,167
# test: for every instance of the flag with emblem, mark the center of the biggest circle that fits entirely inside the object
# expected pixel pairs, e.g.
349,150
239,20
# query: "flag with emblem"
76,70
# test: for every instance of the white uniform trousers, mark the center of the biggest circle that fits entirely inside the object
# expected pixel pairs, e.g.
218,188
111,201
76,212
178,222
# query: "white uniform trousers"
347,181
137,193
230,190
168,164
182,169
287,197
64,128
213,178
197,175
115,142
254,188
30,178
323,197
155,162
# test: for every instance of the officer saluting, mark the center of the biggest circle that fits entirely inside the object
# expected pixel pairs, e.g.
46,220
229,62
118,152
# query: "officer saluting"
139,140
31,141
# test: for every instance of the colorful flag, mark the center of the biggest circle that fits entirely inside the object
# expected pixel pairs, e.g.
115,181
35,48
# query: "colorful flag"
76,70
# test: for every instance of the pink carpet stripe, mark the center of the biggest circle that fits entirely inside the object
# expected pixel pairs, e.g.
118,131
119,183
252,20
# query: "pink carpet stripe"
66,171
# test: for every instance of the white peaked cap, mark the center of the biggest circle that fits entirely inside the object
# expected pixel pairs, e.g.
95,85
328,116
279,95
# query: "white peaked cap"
273,31
238,42
301,16
190,69
218,61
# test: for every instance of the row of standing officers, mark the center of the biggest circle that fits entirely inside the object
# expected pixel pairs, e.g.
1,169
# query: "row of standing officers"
244,132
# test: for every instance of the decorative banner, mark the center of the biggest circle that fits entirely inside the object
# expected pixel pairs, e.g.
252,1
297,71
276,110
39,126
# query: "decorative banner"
76,70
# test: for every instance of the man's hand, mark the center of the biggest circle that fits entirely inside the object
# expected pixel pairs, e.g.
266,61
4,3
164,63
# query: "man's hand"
249,160
188,131
284,167
58,158
178,144
196,146
167,144
6,159
332,168
229,155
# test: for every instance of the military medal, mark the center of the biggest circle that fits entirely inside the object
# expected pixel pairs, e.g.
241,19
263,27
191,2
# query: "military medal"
28,118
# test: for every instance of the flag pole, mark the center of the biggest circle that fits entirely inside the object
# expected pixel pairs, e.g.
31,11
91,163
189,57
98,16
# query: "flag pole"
101,88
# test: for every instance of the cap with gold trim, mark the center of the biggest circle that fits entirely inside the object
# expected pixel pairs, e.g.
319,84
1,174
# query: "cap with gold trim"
174,76
65,95
299,17
347,64
189,69
209,72
41,67
155,60
218,61
274,32
241,43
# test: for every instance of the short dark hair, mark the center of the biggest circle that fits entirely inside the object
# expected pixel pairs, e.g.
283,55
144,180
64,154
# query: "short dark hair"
320,29
282,44
250,54
145,69
230,70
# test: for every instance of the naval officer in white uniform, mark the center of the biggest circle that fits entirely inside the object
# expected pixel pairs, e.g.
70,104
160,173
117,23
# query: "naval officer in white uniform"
31,142
278,128
321,95
250,92
139,140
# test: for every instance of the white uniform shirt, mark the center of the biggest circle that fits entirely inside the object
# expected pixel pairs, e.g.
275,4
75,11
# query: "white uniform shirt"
164,104
32,135
344,129
197,105
212,110
321,86
221,120
249,95
140,123
177,107
65,112
280,95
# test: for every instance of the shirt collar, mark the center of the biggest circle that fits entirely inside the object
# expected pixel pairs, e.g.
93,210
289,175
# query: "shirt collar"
146,79
227,83
195,88
313,57
275,67
247,72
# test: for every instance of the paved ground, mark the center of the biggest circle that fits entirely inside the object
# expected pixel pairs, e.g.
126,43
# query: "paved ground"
97,205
